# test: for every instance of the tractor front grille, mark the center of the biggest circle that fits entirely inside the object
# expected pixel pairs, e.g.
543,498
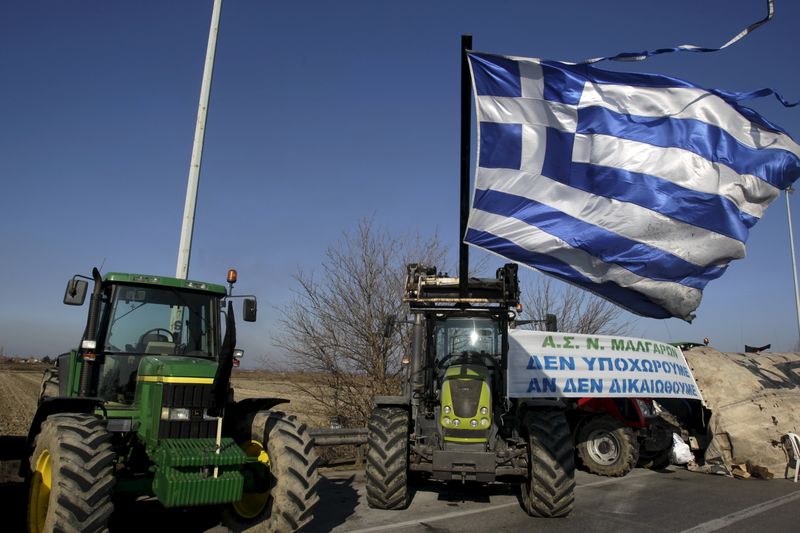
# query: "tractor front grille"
198,398
466,395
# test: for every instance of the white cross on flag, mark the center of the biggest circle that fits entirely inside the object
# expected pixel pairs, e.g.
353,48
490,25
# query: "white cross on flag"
638,187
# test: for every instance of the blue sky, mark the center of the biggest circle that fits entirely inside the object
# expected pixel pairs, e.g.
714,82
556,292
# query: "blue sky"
321,113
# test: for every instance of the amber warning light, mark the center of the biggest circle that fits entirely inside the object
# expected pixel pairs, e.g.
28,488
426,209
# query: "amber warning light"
231,276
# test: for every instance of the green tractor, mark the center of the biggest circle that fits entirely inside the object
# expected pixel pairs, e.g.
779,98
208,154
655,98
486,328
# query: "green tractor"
454,421
145,408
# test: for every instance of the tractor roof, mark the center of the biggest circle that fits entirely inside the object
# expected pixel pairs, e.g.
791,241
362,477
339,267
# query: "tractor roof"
120,277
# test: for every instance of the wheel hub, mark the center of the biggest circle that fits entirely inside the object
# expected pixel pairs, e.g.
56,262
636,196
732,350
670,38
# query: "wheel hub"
603,447
253,503
40,492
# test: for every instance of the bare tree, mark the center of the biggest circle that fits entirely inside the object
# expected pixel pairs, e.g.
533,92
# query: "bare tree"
577,310
333,330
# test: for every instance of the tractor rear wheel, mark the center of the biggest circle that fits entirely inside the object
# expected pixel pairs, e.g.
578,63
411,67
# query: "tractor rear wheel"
387,459
72,475
284,447
607,447
549,490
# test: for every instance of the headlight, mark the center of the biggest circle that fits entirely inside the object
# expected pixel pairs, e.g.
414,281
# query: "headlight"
473,423
174,413
446,421
484,410
456,422
646,408
447,409
484,422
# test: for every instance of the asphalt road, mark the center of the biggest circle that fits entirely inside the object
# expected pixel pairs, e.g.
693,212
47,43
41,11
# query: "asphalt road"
669,500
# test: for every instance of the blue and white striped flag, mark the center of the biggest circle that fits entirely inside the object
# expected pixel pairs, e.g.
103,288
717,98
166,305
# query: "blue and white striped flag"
638,187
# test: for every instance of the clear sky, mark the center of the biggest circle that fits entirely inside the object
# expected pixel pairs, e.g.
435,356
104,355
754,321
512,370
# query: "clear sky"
321,113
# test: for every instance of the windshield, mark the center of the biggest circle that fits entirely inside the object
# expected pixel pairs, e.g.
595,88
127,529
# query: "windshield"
161,321
466,336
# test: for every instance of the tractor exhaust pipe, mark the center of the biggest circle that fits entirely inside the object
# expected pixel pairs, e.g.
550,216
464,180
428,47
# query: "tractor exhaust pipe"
89,343
417,364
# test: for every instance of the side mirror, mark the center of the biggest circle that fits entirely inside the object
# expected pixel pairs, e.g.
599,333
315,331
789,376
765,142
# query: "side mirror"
249,310
76,292
550,322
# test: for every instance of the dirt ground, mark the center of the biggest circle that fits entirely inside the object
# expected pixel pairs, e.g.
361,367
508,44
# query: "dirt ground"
18,393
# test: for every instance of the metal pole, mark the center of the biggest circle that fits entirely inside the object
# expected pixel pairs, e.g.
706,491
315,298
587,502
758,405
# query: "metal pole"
463,251
794,262
185,246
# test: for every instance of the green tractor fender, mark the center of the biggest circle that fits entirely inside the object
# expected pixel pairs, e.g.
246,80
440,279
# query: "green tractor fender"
49,407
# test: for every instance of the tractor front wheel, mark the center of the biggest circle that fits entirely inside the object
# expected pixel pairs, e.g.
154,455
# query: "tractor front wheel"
72,475
288,493
607,447
549,491
387,459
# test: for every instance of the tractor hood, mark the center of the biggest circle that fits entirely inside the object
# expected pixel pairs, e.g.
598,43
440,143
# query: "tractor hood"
167,369
466,408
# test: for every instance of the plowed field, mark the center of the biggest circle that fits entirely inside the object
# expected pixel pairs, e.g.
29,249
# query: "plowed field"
18,393
19,390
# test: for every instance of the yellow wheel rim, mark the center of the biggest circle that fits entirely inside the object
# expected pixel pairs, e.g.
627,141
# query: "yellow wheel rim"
39,498
253,503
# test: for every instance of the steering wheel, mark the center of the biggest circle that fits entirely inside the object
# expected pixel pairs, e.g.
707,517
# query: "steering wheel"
469,356
157,331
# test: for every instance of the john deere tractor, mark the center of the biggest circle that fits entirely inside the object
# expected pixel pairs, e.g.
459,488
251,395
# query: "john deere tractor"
454,420
145,407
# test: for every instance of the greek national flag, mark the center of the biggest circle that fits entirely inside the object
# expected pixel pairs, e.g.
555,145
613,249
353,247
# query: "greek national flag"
638,187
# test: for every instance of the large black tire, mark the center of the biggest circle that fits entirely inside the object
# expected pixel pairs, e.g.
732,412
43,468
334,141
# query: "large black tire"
606,447
293,480
655,460
549,491
387,459
72,476
49,387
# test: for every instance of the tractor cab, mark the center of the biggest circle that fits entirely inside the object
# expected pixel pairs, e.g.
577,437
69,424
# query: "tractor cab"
465,340
138,321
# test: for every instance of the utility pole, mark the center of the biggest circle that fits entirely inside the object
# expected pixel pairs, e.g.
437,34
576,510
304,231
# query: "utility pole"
794,262
187,228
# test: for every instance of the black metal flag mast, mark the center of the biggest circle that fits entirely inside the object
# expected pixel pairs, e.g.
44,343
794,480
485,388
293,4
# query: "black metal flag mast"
463,251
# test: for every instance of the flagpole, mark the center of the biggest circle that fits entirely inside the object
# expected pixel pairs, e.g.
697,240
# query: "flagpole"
187,228
794,262
463,251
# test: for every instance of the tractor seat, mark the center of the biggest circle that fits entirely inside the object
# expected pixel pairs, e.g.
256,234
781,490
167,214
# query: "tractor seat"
156,343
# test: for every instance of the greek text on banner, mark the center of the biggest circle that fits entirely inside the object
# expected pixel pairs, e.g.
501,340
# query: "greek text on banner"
569,365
